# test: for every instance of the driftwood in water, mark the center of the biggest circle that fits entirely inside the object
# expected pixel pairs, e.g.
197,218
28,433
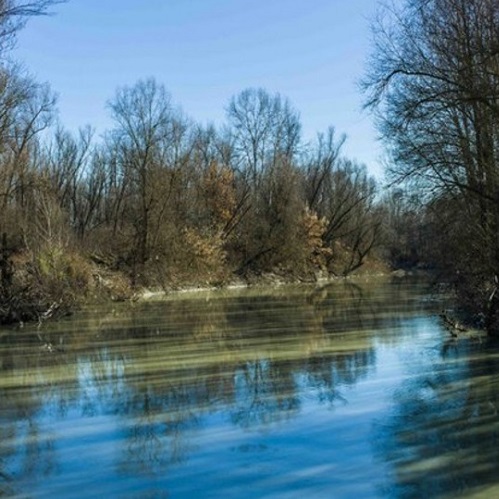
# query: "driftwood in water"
453,326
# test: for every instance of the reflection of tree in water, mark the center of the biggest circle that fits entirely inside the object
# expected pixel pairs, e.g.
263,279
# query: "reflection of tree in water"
38,457
27,449
444,438
266,393
155,436
161,410
7,434
159,369
350,307
271,391
327,375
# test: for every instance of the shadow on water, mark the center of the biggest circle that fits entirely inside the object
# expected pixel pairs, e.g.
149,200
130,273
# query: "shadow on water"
152,395
443,436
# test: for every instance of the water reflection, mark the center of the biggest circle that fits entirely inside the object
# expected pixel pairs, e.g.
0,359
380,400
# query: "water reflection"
443,437
291,391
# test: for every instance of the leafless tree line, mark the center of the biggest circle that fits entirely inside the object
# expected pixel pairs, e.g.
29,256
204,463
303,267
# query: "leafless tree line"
433,84
162,192
164,199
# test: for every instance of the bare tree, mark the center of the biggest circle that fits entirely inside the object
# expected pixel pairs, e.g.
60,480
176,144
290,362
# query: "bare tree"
14,15
150,150
266,129
433,84
321,161
26,109
342,194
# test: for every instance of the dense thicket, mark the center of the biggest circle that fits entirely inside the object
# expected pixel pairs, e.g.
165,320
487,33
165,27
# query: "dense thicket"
162,200
434,85
162,197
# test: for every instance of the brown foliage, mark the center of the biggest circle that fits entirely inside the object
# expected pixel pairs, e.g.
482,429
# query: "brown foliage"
314,229
204,255
219,194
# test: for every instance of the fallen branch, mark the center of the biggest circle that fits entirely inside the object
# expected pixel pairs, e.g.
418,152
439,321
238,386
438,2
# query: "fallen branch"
453,326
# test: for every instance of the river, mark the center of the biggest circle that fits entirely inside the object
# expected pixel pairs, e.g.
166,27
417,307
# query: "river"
349,389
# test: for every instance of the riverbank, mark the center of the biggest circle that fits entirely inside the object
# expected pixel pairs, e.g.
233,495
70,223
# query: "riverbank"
52,284
373,268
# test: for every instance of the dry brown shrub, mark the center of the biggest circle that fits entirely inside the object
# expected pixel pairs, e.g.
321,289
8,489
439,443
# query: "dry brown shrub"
205,254
219,193
314,228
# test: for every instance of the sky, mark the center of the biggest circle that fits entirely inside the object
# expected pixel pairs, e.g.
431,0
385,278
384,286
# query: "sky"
313,52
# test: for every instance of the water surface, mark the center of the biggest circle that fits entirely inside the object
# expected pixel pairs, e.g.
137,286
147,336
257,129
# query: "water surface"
352,389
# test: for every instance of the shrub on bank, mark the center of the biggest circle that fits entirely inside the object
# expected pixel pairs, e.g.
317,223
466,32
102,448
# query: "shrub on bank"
42,284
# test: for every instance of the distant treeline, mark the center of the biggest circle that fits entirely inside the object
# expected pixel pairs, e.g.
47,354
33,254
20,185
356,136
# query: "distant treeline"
166,200
163,200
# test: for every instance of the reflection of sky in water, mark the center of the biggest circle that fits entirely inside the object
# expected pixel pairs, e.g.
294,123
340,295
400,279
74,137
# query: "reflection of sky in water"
206,410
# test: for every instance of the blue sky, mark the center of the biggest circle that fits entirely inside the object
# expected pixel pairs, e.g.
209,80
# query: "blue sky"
205,51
